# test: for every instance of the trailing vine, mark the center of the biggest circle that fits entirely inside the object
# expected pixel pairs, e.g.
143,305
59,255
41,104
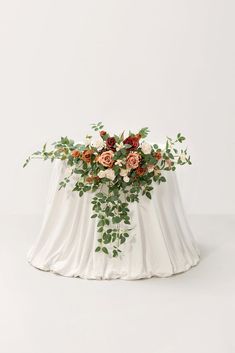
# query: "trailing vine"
117,169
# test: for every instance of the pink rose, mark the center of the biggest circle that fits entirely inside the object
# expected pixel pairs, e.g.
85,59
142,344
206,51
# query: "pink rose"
133,160
106,159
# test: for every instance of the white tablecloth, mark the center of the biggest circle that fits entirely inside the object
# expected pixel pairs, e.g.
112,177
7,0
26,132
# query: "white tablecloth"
161,243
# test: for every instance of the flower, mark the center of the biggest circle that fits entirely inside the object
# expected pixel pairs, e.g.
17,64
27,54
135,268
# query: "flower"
109,173
86,155
119,162
88,140
101,174
98,144
157,172
106,159
90,179
133,160
110,142
126,179
169,163
158,155
183,157
150,168
75,153
146,148
119,146
133,141
141,171
124,172
102,133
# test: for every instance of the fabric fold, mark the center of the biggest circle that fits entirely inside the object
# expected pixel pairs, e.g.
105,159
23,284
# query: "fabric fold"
161,243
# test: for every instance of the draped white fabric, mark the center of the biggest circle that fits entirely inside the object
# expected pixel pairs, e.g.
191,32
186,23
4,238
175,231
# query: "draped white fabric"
161,243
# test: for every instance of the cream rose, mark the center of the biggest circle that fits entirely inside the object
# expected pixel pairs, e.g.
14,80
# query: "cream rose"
109,173
101,174
126,179
124,172
146,148
98,144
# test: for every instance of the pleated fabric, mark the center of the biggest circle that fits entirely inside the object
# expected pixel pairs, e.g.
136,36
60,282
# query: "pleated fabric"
161,243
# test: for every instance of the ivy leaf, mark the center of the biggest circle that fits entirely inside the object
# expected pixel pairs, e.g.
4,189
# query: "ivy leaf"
123,239
105,250
115,253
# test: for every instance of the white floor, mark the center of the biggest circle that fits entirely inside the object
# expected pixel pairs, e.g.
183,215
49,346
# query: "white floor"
189,313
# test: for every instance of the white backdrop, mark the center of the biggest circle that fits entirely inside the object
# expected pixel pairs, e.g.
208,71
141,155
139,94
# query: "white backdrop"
169,65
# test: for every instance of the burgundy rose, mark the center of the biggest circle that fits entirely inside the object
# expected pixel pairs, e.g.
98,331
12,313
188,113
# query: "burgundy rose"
133,141
110,142
141,171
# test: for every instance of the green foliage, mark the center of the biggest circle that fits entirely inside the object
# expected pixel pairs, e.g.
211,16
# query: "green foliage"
112,197
144,132
98,126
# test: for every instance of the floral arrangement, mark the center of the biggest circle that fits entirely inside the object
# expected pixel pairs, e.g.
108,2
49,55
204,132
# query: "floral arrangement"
118,170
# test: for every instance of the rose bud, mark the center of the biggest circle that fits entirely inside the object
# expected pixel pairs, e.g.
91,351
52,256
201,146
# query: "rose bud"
138,136
102,133
90,179
75,154
158,155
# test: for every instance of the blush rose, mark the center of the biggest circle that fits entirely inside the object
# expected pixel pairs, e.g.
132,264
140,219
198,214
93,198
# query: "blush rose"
133,160
106,159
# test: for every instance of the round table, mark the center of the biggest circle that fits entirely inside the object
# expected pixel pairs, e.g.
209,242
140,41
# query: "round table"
161,243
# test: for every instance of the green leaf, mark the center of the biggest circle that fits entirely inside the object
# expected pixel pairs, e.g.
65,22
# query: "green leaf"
116,219
105,250
123,239
107,238
144,132
115,253
98,249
